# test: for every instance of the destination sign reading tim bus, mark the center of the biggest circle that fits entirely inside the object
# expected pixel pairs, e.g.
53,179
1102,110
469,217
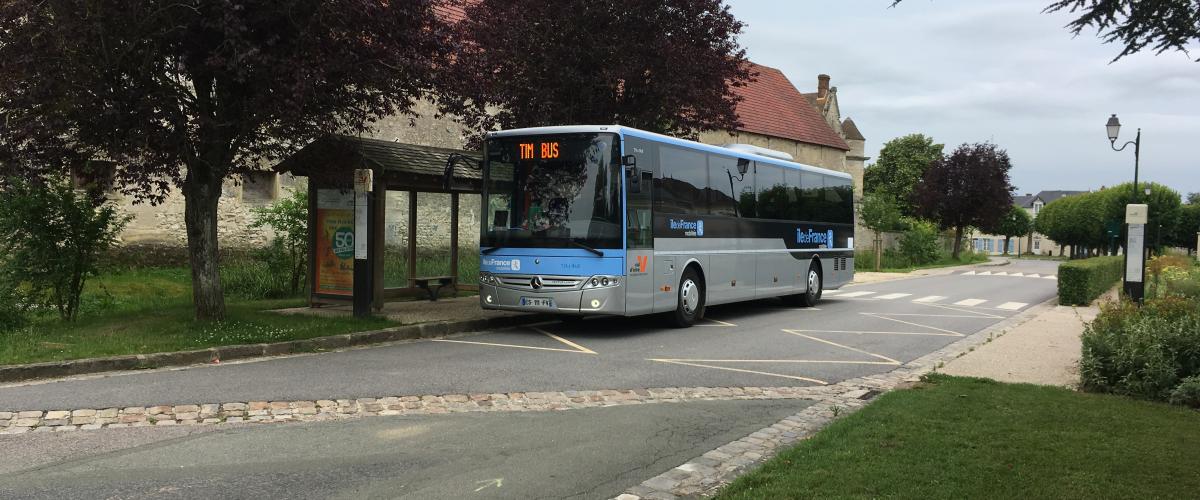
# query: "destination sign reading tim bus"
544,150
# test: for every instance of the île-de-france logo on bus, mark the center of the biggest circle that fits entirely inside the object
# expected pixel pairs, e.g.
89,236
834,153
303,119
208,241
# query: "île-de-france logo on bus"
689,227
810,237
640,265
494,264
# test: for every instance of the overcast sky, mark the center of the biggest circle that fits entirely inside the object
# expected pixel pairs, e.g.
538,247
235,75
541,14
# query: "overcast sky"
976,70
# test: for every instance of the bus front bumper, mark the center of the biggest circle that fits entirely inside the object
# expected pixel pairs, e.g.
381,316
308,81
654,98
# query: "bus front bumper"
608,300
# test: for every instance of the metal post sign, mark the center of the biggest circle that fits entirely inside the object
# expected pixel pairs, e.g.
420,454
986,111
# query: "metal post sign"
1136,216
363,286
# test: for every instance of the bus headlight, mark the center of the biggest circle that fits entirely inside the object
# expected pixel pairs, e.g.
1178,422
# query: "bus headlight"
602,282
488,279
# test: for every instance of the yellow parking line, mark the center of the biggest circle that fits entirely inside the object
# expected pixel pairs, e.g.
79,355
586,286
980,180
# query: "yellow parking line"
769,374
931,334
565,341
835,344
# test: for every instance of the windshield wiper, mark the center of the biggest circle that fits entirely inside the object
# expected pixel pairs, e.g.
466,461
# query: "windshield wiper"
490,250
585,247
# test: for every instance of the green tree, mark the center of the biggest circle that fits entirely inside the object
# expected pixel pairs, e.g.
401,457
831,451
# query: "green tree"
54,236
1186,227
879,212
1016,222
968,188
1158,25
188,93
902,161
288,218
1163,205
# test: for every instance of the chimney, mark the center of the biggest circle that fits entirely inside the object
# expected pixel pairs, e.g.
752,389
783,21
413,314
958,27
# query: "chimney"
822,86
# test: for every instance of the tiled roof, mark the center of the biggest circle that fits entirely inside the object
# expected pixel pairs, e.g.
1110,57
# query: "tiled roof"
772,106
450,12
1024,201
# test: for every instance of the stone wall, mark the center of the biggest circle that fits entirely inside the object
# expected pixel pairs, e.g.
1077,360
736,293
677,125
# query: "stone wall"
433,220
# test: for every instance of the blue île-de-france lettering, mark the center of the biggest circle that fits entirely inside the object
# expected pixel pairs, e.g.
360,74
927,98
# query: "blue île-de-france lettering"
810,237
690,227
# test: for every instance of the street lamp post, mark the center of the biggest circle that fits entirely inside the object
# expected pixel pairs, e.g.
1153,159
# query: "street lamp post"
1135,217
1114,128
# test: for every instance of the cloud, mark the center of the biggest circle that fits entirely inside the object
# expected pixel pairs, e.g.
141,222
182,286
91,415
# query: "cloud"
968,71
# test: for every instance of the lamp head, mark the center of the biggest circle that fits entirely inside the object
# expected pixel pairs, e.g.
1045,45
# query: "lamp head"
1147,191
1114,128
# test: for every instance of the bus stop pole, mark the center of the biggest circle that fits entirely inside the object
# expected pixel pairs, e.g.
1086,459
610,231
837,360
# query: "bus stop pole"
364,288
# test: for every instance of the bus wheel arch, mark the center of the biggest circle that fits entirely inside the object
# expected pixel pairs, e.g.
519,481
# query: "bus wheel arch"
691,295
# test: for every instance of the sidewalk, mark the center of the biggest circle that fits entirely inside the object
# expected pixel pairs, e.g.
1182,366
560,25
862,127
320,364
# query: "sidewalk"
862,277
1044,350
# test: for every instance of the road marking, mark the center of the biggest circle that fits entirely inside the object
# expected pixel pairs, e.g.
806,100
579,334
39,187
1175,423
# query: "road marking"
930,299
931,334
854,294
893,296
969,302
1017,274
565,341
717,323
1050,277
969,273
977,311
831,292
892,362
835,344
985,273
769,374
575,348
488,483
1032,276
881,316
1011,306
999,273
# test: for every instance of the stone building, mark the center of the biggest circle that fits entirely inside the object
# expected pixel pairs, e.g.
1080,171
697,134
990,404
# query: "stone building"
1034,243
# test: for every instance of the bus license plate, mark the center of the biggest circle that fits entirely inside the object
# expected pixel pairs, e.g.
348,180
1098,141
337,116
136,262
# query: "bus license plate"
537,302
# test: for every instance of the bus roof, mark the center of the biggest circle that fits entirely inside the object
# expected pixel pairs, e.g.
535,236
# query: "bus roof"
630,131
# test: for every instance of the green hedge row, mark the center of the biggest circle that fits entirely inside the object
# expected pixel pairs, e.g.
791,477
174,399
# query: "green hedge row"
1081,281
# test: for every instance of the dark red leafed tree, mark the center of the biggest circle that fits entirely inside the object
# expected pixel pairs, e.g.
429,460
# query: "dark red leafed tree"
666,66
186,93
970,187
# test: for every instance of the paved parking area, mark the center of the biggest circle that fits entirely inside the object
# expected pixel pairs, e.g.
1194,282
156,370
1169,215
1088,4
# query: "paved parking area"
860,330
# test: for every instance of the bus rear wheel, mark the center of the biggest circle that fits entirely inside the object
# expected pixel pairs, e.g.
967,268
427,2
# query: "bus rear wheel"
812,287
690,306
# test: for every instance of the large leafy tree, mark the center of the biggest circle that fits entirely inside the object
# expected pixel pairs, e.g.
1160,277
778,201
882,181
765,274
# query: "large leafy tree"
1015,222
969,187
668,66
186,93
1158,25
901,164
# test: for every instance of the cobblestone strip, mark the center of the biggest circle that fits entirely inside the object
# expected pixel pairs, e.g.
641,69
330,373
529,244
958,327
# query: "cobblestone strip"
18,422
703,475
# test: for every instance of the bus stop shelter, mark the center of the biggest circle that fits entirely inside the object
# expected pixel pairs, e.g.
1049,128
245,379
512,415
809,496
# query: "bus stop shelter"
329,165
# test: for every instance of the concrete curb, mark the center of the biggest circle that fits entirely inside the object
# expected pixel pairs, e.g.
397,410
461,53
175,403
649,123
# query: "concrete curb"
56,369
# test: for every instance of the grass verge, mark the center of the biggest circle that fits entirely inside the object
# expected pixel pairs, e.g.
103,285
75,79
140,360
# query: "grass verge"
864,261
955,437
150,310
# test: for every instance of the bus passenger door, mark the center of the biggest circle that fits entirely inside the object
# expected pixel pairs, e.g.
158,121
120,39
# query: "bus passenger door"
639,237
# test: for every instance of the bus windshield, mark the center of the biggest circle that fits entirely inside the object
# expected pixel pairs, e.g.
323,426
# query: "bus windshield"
560,190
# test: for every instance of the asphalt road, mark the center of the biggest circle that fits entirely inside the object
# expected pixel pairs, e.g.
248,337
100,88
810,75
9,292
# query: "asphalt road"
859,330
589,453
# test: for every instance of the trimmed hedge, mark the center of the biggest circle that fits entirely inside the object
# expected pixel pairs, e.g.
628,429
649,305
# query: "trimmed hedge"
1081,281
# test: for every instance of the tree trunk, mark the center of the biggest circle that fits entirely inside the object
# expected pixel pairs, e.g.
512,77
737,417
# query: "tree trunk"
202,193
958,233
1006,241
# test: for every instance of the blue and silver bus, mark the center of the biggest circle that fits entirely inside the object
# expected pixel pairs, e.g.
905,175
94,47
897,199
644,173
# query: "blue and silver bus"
611,220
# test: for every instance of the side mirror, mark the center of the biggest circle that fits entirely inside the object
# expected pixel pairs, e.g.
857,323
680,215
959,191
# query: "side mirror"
629,161
635,178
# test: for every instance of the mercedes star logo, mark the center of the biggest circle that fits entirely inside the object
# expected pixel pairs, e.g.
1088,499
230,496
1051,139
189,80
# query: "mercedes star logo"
536,282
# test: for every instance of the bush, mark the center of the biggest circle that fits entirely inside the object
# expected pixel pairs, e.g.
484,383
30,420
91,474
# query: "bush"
12,314
1144,352
288,218
1173,275
1187,393
1081,281
919,243
54,236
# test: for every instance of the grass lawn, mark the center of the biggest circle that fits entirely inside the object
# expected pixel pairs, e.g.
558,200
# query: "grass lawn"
150,310
972,438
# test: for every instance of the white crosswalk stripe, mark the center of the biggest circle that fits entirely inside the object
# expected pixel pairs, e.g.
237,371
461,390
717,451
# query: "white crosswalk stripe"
930,299
830,292
854,294
985,273
999,273
1011,306
969,302
969,273
893,296
1050,277
1032,276
1017,274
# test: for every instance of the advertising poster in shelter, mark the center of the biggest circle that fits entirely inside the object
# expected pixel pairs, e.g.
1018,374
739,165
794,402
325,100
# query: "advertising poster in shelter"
335,242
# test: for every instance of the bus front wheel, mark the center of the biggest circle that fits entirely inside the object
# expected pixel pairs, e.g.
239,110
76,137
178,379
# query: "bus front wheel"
690,306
